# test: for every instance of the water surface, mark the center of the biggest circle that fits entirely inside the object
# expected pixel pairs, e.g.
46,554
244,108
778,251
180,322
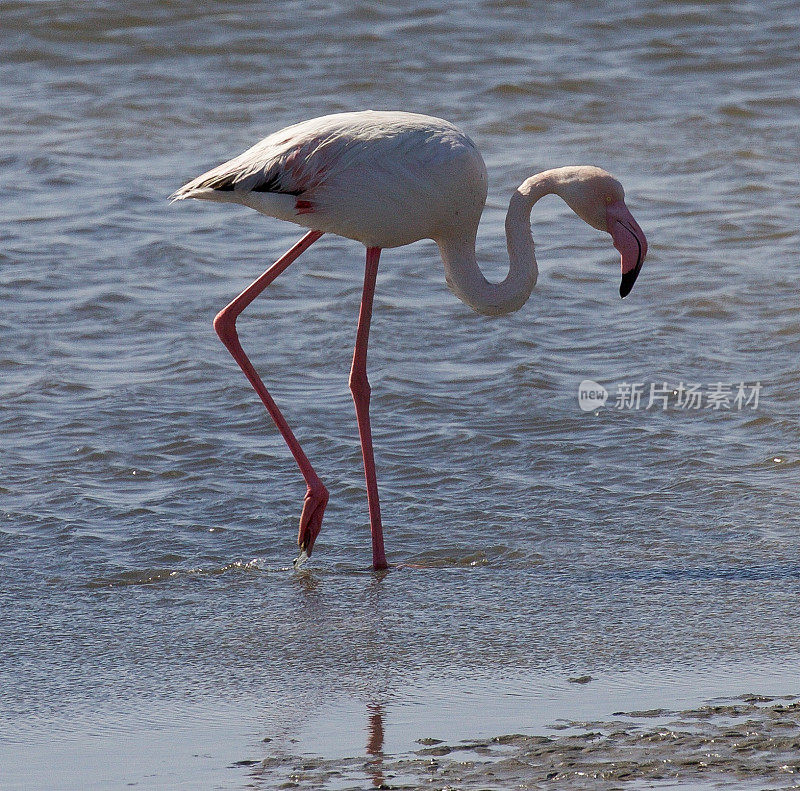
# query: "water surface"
148,508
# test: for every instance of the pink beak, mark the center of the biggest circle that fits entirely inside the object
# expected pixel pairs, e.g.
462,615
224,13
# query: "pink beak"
630,240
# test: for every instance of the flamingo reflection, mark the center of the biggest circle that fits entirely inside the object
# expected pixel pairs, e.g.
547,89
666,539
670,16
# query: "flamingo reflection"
375,744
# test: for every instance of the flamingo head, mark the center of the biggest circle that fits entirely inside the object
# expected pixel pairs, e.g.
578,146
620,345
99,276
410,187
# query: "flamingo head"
598,199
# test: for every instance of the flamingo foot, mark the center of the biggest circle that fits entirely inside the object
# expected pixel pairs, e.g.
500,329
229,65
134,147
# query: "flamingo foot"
311,521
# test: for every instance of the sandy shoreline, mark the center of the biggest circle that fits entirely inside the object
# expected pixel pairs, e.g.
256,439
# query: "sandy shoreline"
747,742
733,727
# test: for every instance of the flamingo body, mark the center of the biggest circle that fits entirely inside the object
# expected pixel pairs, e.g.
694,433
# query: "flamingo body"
385,179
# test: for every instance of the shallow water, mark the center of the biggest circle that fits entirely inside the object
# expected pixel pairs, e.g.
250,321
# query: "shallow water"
148,509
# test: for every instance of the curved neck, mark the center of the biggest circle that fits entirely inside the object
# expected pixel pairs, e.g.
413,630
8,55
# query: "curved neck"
464,275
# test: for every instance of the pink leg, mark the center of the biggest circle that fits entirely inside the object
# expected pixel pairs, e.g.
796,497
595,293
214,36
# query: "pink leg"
359,385
225,324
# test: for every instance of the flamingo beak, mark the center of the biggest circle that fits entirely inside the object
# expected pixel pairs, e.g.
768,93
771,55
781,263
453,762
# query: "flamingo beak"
630,240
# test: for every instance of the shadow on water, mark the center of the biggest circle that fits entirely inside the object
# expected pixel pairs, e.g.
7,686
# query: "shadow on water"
308,578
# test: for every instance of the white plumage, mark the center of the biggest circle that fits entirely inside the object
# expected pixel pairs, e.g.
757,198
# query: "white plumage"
385,179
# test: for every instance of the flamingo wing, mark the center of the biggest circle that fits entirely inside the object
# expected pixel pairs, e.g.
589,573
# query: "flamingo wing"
383,178
300,157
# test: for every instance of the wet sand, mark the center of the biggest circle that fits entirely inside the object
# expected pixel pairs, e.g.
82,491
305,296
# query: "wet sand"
627,730
752,741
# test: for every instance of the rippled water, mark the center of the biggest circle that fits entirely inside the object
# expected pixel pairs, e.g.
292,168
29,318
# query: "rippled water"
148,507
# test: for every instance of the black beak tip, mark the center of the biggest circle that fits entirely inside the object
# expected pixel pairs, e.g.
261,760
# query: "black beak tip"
628,279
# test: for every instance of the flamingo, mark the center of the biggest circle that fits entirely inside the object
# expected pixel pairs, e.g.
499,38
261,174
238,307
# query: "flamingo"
388,179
